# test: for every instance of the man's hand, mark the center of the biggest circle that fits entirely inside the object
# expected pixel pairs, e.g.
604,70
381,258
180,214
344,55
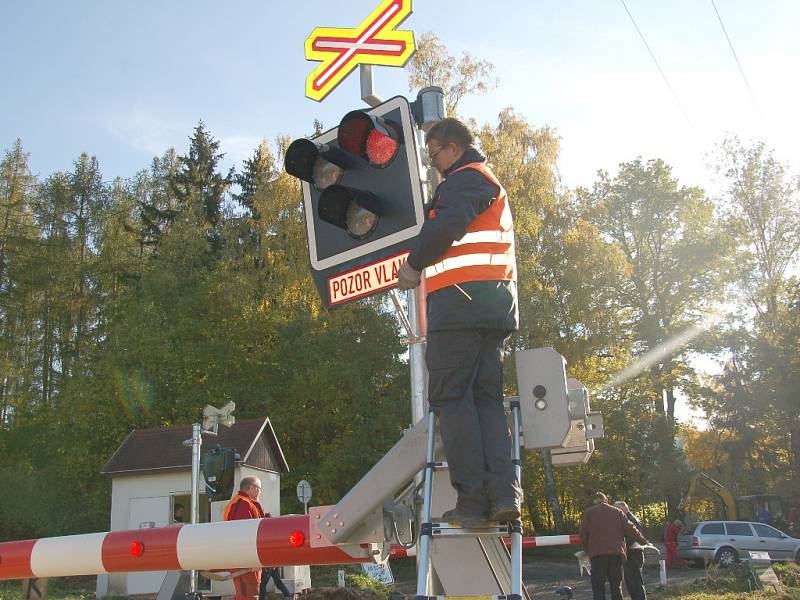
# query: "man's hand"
407,277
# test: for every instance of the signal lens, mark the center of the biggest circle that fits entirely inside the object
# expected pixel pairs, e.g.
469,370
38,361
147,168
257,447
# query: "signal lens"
296,539
380,148
353,131
304,158
360,222
326,173
136,548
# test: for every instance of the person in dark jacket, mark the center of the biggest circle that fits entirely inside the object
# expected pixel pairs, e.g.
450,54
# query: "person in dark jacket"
466,250
632,569
603,531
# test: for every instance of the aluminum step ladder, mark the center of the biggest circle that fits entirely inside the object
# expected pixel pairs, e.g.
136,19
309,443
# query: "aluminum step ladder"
431,529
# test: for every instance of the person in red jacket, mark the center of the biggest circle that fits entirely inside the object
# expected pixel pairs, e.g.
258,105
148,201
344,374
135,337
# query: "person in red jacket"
244,505
671,532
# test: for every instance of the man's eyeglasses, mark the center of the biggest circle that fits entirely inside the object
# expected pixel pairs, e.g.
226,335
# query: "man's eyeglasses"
436,153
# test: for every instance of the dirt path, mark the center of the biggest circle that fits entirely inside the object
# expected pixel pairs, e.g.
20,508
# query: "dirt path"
543,577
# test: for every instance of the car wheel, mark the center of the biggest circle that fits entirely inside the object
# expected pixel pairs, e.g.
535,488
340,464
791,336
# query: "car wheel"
727,557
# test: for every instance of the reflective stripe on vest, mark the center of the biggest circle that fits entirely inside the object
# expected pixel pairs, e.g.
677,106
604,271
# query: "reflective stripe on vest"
485,252
254,508
478,237
470,260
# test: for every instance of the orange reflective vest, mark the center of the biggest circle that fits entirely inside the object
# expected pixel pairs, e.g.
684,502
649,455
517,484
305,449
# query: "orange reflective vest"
486,252
255,508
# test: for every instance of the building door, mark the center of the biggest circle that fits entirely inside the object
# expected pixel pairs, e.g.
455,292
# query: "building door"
142,514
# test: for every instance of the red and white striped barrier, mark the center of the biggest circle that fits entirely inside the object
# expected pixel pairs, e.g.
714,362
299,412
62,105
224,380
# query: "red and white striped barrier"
538,541
251,543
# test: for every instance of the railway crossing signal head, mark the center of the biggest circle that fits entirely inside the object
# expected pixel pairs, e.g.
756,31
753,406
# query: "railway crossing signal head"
361,190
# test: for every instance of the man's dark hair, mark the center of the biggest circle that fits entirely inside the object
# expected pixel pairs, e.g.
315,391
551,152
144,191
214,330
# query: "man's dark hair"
600,497
451,130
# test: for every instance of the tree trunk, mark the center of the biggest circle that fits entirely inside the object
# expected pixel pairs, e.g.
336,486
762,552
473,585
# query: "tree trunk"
670,398
552,496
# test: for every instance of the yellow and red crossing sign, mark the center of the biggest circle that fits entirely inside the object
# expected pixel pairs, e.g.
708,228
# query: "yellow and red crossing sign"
374,42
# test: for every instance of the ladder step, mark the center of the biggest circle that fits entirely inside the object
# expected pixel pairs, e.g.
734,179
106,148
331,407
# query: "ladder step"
469,532
439,464
476,597
443,528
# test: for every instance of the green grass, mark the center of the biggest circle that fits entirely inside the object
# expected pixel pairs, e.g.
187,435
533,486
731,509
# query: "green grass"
735,583
60,588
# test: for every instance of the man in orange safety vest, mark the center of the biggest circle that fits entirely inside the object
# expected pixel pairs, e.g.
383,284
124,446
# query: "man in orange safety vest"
244,505
466,250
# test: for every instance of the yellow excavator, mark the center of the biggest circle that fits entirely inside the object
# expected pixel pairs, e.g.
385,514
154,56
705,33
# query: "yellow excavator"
744,508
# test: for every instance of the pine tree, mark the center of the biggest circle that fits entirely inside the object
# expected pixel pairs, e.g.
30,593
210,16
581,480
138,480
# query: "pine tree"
198,187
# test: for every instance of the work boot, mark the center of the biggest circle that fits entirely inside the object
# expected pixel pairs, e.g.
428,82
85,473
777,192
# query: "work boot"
504,510
466,520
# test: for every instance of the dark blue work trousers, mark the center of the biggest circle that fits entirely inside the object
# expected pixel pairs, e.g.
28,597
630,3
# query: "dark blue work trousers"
606,567
275,574
632,570
465,390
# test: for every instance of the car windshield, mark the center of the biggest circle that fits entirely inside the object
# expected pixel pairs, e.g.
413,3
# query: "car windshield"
766,531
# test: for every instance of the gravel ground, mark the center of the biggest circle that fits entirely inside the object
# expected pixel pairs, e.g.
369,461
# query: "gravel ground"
542,577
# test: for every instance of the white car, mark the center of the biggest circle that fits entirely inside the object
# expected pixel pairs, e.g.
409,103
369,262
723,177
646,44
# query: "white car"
726,542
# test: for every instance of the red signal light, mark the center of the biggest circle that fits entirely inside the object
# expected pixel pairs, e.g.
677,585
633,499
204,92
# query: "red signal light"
296,539
380,148
370,137
353,129
136,548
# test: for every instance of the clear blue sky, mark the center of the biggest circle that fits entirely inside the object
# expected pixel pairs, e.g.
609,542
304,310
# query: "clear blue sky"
125,79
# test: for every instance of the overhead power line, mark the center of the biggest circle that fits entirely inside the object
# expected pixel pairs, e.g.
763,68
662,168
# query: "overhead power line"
658,66
736,58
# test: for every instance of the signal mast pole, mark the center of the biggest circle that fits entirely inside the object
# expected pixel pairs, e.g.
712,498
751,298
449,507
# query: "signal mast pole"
428,109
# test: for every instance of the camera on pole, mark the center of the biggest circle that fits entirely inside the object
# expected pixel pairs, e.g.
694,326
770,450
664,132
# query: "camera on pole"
362,197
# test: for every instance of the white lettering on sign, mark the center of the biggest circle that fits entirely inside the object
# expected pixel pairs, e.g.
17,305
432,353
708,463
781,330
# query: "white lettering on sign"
365,280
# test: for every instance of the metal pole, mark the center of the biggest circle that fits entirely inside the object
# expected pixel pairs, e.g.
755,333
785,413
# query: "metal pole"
197,442
516,537
416,353
424,536
368,94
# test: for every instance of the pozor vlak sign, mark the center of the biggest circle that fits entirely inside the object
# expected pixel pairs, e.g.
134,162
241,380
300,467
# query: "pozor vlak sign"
363,281
362,198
